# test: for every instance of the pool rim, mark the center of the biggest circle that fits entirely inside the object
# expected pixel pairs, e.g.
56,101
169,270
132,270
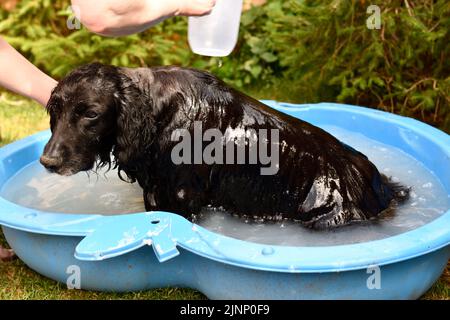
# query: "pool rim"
346,257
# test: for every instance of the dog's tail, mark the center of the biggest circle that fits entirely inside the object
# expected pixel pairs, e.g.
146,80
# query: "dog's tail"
400,193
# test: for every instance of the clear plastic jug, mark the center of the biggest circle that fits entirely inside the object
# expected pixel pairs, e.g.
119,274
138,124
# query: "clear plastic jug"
216,34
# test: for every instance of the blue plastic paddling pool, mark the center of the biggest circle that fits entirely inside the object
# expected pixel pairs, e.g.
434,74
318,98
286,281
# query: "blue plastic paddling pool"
160,249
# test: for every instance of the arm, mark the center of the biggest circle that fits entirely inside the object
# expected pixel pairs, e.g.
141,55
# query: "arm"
119,17
21,76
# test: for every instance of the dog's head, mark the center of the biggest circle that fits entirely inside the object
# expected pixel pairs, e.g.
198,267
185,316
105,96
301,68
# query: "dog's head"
83,110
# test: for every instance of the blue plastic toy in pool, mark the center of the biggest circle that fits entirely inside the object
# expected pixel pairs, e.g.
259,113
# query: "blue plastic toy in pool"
113,252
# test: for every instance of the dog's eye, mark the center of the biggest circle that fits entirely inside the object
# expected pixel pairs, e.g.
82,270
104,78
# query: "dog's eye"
91,114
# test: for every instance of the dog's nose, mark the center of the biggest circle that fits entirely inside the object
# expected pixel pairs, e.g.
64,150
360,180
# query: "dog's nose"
50,163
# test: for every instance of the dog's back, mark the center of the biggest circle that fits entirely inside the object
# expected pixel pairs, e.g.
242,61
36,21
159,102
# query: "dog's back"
320,181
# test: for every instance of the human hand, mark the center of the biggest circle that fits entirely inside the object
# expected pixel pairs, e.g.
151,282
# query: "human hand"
195,7
6,254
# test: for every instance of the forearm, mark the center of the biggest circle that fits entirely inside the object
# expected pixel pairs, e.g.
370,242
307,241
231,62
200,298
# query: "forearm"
118,17
21,76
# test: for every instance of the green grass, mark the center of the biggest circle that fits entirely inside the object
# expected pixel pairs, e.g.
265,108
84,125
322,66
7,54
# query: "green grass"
19,118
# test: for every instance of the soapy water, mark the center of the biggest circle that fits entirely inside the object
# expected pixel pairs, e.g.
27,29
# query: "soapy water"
89,193
104,193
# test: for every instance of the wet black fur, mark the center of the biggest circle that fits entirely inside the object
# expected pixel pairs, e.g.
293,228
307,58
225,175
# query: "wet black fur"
137,111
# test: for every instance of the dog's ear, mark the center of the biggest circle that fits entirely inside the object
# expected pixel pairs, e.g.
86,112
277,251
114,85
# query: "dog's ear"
135,126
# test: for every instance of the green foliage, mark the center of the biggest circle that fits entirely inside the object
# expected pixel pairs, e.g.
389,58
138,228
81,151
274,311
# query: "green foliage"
403,67
300,50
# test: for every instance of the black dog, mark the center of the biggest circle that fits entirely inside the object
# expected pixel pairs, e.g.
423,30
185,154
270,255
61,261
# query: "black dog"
133,113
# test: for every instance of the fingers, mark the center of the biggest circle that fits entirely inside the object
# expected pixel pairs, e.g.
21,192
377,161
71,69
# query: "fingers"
6,254
196,7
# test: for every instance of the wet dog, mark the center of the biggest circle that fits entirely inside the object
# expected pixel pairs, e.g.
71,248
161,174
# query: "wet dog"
133,113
